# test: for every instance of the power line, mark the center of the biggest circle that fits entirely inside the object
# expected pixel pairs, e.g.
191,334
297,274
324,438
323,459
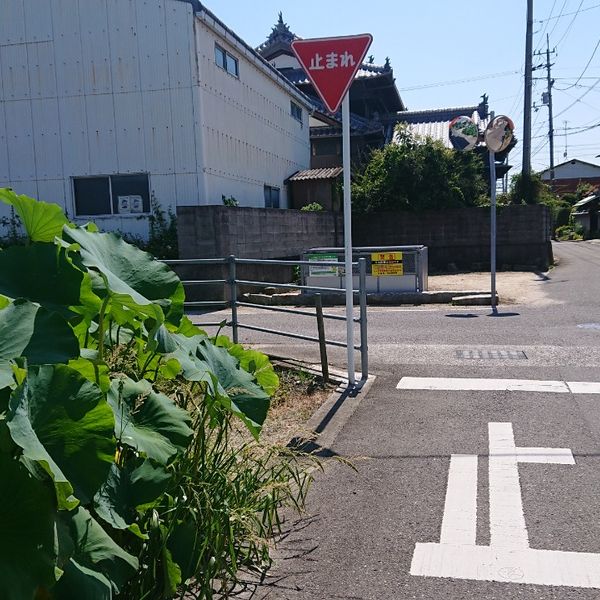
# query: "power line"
578,99
547,23
456,81
586,66
560,14
568,14
570,24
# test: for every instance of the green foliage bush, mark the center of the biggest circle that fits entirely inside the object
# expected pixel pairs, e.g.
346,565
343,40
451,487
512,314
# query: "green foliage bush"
118,475
419,174
312,207
229,200
569,232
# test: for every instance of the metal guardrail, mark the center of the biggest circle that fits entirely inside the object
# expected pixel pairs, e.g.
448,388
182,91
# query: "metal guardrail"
233,283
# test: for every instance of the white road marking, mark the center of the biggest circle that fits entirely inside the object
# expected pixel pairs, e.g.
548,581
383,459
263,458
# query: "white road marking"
508,558
584,387
459,523
548,456
507,522
498,385
480,384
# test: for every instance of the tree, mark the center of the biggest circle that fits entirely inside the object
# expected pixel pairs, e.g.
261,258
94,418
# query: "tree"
418,174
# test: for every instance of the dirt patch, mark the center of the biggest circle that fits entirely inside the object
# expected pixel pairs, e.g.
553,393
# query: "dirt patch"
299,395
514,287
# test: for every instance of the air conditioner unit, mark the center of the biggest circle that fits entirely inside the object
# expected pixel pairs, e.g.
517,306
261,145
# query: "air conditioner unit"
136,204
124,204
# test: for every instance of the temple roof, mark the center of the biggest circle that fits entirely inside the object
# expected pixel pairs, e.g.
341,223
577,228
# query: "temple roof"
358,125
279,41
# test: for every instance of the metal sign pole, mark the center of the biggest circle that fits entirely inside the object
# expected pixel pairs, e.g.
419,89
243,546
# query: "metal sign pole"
493,227
348,237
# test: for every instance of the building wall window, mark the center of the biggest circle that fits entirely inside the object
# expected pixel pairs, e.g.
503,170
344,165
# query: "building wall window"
326,147
112,195
226,61
271,197
296,111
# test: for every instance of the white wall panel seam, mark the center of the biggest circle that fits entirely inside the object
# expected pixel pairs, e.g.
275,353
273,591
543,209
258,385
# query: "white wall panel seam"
60,129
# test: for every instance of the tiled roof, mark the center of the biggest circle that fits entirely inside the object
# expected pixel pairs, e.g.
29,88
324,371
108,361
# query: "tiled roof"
313,174
366,71
435,123
358,124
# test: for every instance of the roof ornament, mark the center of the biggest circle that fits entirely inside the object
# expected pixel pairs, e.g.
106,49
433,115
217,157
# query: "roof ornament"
280,34
370,59
387,66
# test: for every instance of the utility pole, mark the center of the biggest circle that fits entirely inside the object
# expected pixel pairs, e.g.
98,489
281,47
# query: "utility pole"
550,122
528,80
547,100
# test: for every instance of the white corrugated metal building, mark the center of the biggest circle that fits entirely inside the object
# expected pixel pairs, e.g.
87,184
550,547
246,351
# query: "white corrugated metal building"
106,103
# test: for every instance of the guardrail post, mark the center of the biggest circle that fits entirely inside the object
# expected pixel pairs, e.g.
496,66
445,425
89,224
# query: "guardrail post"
362,296
322,344
233,297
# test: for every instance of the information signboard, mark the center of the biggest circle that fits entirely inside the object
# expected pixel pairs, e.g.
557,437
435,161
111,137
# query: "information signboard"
387,264
322,270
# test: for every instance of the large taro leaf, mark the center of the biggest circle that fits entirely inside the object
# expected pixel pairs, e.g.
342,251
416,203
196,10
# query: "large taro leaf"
253,361
64,425
134,277
129,487
27,553
148,421
42,221
94,559
232,386
31,331
246,397
41,273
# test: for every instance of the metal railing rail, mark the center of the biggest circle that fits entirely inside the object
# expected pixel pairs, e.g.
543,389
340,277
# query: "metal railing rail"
233,303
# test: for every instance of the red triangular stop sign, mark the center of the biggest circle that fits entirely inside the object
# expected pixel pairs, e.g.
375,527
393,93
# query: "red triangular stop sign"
332,63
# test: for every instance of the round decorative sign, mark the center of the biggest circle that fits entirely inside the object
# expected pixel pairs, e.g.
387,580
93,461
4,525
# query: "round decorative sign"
499,133
463,133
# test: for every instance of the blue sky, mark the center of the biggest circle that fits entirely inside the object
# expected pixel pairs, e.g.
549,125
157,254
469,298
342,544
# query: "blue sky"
478,45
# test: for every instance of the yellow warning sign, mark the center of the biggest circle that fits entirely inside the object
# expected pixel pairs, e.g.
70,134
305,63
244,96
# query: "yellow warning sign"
386,264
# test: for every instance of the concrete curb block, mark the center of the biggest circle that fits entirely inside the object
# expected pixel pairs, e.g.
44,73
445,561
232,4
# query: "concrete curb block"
383,299
331,417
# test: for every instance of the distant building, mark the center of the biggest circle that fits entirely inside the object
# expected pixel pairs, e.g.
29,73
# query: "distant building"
105,104
568,175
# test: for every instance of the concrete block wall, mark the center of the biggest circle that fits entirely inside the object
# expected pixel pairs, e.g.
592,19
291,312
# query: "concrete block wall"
461,237
456,238
218,231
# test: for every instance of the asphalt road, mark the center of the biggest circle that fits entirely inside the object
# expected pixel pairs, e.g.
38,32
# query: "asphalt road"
505,521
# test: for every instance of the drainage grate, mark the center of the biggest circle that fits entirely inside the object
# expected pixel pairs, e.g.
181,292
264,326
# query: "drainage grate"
492,354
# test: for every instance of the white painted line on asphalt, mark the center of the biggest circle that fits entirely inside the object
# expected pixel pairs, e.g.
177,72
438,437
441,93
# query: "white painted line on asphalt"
480,384
584,387
509,565
508,558
507,521
548,456
459,523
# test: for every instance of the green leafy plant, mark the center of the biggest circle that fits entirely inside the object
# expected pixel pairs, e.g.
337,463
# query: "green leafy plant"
312,207
115,420
417,174
229,201
569,232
